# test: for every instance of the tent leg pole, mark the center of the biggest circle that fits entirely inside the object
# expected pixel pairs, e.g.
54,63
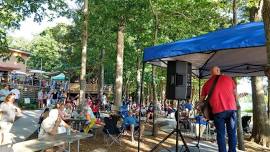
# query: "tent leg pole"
199,88
141,99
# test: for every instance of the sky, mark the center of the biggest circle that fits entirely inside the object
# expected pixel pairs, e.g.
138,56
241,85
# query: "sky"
29,28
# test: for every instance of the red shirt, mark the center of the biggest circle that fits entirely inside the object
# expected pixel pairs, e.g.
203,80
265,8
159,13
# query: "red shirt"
95,108
223,98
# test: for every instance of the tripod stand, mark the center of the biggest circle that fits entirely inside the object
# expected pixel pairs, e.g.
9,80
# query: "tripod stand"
198,138
178,133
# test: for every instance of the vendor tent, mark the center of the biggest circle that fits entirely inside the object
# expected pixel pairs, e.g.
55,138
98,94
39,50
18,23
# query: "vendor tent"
16,72
238,51
38,72
59,77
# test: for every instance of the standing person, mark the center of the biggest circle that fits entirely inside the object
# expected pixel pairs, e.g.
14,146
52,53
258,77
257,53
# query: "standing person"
104,101
223,104
96,111
54,97
42,98
9,111
4,92
17,93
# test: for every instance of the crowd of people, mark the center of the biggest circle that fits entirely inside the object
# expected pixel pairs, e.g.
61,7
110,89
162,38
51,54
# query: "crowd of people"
55,119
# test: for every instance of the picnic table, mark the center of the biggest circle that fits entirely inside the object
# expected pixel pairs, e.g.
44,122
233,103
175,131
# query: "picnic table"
49,142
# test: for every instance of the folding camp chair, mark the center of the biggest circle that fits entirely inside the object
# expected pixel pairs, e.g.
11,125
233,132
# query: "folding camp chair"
112,131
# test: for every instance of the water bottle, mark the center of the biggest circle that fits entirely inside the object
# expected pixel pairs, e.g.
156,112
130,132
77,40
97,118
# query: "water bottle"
68,131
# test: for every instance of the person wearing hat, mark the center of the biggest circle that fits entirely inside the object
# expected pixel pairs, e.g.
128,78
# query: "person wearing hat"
17,94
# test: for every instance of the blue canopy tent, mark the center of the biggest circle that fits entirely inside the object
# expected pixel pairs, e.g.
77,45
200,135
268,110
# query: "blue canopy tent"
239,51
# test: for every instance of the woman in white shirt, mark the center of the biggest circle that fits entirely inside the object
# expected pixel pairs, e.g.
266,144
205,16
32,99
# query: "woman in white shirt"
8,113
50,125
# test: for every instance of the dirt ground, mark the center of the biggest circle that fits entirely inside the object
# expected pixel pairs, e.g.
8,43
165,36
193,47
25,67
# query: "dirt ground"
97,143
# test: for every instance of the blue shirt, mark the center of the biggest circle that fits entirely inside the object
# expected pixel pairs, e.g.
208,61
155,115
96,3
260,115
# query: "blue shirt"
188,106
130,120
124,111
200,120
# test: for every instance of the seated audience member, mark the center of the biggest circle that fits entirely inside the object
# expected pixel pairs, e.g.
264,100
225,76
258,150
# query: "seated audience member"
50,125
111,125
124,110
43,116
188,106
90,117
183,119
131,123
69,109
200,124
150,112
143,111
64,116
170,110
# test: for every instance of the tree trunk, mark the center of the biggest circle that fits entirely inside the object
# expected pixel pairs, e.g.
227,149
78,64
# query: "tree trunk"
253,14
127,89
162,91
84,53
154,89
101,73
138,80
156,25
240,137
255,132
234,12
266,19
261,135
119,64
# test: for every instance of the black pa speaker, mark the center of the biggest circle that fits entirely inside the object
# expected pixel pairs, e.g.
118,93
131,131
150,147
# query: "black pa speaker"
178,80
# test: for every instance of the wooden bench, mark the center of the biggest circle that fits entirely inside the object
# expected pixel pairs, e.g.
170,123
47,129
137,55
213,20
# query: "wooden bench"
48,142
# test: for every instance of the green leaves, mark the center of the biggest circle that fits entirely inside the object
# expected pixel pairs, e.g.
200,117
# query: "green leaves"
12,12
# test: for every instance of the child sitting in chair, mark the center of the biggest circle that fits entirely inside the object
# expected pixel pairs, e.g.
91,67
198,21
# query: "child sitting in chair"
90,117
200,124
131,123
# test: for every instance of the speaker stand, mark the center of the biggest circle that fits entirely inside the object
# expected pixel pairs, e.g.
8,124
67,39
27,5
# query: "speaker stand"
198,138
178,133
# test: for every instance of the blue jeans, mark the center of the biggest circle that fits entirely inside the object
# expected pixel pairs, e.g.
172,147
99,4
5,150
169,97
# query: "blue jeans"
227,118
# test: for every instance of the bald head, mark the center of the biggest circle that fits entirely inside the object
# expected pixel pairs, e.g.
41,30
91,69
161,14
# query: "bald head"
215,71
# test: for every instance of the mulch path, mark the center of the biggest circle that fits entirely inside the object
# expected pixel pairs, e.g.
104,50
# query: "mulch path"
97,144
